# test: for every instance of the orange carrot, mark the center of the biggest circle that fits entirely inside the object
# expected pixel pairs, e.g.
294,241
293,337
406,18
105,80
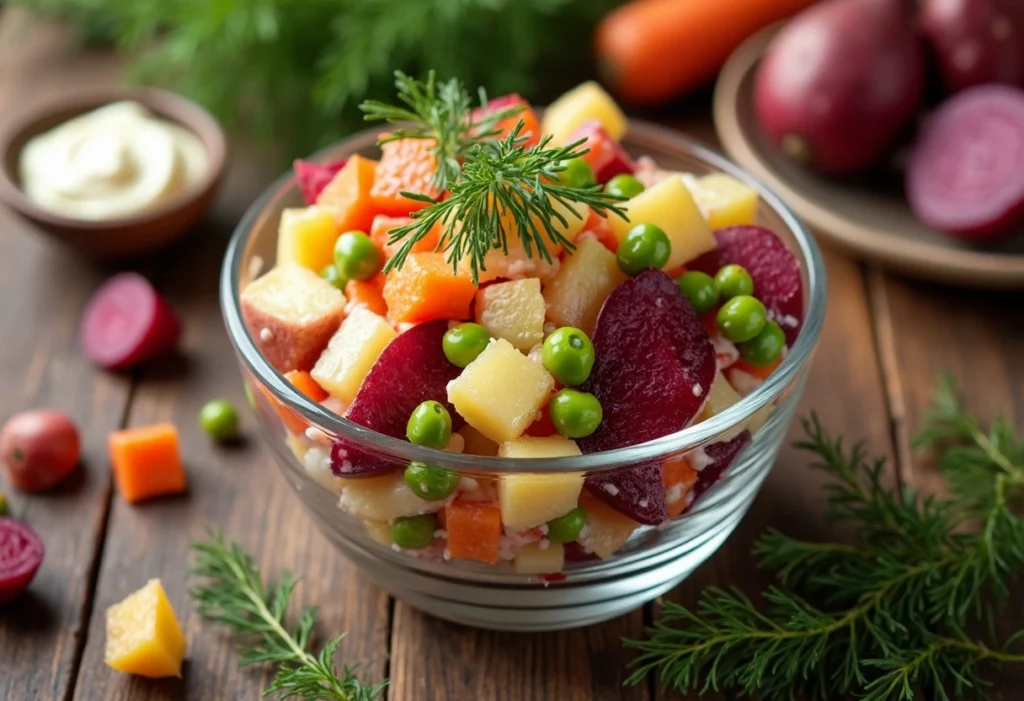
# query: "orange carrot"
381,231
305,383
348,194
760,373
601,230
147,462
677,475
368,294
425,288
405,164
474,530
650,51
531,125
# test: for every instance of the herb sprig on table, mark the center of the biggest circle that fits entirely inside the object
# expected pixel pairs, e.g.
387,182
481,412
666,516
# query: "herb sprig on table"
235,595
908,606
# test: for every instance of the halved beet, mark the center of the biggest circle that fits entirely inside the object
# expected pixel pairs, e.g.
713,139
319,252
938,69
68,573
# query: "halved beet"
965,175
636,491
773,267
605,155
412,369
313,177
720,456
127,322
21,554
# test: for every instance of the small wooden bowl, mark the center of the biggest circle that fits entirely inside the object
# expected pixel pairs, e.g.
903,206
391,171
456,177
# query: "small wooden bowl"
126,236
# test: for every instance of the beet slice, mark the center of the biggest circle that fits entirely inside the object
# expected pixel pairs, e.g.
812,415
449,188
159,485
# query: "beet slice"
574,552
636,491
21,554
720,455
965,175
127,322
313,177
773,267
412,369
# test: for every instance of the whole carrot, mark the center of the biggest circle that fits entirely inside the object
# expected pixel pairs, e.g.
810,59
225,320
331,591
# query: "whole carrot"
650,51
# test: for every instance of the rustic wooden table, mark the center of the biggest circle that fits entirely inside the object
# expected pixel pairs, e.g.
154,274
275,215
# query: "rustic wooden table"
885,340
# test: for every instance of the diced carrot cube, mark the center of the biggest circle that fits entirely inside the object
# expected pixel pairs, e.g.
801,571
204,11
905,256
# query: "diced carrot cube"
383,226
368,294
474,530
678,478
598,227
147,462
760,373
305,383
531,125
405,165
349,194
425,288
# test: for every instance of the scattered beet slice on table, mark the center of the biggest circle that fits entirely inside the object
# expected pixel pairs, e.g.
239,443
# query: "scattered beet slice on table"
313,177
411,370
21,553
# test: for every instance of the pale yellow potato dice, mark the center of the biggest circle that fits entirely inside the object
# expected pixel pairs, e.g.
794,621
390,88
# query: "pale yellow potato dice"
755,422
351,352
380,531
725,201
291,313
383,498
670,206
500,393
514,311
476,443
720,397
575,295
581,104
528,500
143,634
306,236
533,559
607,530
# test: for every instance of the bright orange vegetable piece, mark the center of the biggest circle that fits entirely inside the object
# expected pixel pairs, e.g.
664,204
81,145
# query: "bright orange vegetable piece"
677,471
760,373
425,288
368,294
601,230
349,194
381,230
474,530
405,164
305,383
531,125
147,462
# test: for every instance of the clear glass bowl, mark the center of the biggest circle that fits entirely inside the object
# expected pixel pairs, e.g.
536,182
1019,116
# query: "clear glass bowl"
653,560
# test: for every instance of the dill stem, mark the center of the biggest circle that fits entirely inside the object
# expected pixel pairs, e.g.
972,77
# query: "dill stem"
992,452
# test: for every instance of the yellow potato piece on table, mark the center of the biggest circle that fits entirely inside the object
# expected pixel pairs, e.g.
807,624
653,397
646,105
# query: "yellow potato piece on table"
575,295
306,236
533,559
351,352
725,201
514,311
143,635
531,499
582,104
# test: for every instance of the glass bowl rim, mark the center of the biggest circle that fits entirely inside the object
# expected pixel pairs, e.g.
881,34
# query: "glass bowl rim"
402,451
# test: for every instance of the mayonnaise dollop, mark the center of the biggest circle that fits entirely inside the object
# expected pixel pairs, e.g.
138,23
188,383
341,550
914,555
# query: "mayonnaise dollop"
116,161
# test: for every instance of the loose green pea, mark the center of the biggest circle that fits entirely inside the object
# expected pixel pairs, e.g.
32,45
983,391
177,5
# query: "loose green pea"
330,274
575,414
734,280
568,354
429,425
577,173
701,289
219,419
742,318
566,529
764,348
4,509
356,257
430,482
414,532
624,185
645,246
463,343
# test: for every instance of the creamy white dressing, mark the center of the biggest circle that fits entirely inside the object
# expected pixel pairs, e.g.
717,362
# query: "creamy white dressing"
116,161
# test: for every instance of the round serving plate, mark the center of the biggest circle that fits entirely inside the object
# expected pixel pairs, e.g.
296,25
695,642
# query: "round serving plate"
867,217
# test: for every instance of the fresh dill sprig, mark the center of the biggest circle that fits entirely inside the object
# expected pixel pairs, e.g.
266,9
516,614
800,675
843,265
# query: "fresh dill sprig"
885,616
236,596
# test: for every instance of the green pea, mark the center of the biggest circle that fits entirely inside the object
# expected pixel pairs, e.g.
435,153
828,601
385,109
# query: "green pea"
645,246
701,289
577,173
219,419
356,257
4,509
429,425
430,482
568,354
566,529
330,274
734,280
414,532
742,318
764,348
624,185
575,414
463,343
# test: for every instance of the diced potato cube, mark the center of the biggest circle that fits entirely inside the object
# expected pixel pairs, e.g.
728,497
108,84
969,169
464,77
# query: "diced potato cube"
530,447
575,295
291,313
351,352
514,311
476,443
306,237
607,530
581,104
528,500
380,531
500,393
533,559
383,498
755,422
670,206
725,201
723,395
143,635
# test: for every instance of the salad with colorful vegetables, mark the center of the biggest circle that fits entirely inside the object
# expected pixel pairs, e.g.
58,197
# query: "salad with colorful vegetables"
497,284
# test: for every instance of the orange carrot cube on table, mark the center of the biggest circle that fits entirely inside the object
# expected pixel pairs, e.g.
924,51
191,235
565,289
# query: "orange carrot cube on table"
405,165
348,194
474,530
147,462
425,288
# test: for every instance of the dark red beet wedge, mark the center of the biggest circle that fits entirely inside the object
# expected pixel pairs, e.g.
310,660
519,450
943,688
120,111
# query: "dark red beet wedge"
773,267
21,553
636,491
721,456
965,175
314,177
411,370
574,552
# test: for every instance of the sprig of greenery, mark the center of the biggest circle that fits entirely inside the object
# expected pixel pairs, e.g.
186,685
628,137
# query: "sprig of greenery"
236,596
885,616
